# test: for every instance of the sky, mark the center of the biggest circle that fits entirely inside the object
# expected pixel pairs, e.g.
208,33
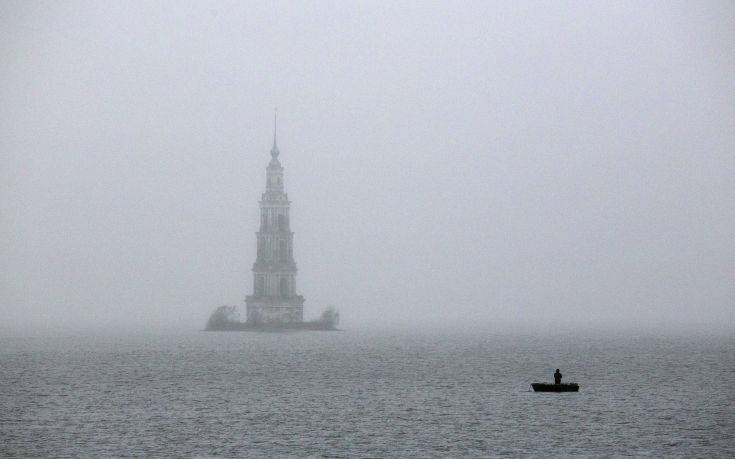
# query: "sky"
469,164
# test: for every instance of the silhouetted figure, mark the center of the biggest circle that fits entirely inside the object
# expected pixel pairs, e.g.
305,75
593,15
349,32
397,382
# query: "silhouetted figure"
557,377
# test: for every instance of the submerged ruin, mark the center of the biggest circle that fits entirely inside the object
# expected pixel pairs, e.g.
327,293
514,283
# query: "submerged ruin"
274,303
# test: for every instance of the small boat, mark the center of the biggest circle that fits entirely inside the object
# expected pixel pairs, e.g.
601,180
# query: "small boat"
546,387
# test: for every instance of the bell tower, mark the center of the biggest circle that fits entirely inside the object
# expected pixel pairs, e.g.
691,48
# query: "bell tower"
274,299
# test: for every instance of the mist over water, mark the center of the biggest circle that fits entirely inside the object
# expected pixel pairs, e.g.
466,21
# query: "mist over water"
485,191
540,164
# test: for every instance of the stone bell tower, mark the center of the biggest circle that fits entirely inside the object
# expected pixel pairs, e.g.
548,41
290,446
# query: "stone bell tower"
274,299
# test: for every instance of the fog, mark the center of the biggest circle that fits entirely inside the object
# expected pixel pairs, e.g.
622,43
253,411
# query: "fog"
481,164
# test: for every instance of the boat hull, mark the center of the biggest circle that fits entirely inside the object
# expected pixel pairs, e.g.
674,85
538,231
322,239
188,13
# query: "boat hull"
544,387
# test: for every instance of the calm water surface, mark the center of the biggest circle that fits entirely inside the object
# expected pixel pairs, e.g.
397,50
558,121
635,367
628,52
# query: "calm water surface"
352,393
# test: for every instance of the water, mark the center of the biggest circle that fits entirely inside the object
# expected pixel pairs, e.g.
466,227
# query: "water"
359,394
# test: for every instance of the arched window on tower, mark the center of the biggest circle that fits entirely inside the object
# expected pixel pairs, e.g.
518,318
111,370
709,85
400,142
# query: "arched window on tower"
282,223
282,250
259,284
284,287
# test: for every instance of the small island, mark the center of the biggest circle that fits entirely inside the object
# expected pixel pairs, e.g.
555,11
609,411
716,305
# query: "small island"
225,318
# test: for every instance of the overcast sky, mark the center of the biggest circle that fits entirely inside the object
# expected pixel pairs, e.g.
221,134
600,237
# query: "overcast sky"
448,163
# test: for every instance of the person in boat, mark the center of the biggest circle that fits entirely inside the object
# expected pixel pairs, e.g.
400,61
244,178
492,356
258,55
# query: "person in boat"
557,377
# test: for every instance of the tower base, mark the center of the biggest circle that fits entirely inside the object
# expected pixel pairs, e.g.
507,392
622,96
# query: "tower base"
269,310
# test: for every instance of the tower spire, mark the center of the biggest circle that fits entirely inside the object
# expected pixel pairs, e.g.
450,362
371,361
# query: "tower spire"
275,127
274,150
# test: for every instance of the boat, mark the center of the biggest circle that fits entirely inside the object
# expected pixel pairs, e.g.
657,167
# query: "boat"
547,387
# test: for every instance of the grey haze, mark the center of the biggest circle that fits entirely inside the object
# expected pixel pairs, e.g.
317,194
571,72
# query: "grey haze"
478,163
